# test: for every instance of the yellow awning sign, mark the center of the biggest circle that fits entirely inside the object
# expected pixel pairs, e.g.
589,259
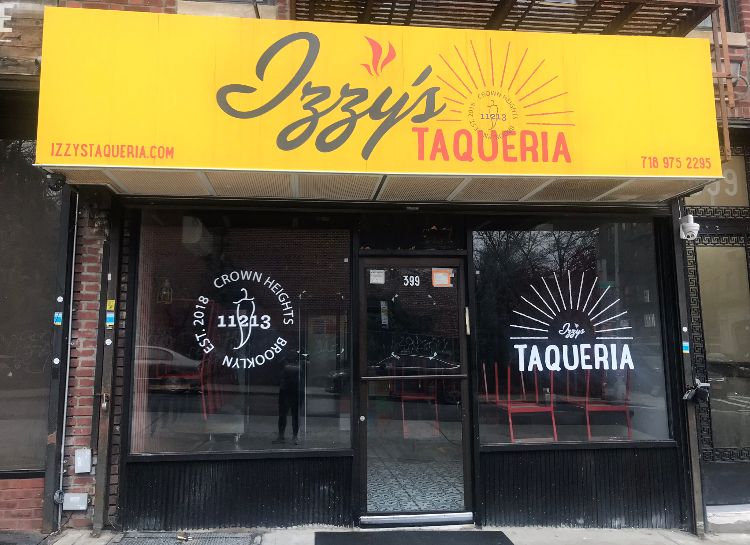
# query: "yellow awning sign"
210,93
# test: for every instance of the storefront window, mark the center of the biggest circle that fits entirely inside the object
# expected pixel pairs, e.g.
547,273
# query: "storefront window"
729,191
725,304
30,224
569,333
242,336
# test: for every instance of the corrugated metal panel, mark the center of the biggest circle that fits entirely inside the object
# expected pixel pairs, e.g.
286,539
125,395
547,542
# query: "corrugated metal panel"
602,488
238,493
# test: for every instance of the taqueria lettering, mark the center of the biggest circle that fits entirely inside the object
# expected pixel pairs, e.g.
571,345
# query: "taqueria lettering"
573,356
322,107
508,146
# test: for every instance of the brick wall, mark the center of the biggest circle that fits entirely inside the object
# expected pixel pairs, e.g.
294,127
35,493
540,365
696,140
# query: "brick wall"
742,92
21,504
80,402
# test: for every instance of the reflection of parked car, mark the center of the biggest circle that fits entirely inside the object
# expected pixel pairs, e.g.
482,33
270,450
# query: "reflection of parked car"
169,370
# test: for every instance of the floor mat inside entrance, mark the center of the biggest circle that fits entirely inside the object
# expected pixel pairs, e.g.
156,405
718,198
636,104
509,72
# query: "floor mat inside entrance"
412,537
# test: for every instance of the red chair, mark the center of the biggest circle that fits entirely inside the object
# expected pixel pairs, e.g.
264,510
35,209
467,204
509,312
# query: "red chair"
429,397
529,407
601,406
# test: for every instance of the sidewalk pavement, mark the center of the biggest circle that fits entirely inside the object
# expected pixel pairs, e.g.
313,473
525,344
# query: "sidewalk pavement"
306,536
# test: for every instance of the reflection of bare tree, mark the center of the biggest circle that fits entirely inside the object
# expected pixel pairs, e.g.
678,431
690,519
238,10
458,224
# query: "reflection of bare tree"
509,261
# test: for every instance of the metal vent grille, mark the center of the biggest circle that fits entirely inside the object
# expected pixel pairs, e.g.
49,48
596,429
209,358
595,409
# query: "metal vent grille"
80,177
650,190
575,189
161,182
229,183
418,188
337,187
498,189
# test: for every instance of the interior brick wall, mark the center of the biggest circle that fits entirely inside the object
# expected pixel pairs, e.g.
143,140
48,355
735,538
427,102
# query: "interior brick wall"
21,504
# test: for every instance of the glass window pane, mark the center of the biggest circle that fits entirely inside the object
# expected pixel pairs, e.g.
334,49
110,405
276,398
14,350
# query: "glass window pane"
418,232
242,336
30,224
725,304
732,191
406,334
569,333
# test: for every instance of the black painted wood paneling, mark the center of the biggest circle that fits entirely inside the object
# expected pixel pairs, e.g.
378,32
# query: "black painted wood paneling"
237,493
600,488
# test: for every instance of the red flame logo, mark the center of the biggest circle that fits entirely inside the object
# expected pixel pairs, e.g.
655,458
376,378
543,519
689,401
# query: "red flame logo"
376,67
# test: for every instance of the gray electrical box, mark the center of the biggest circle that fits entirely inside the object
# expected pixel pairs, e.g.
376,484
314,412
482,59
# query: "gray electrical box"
75,502
83,460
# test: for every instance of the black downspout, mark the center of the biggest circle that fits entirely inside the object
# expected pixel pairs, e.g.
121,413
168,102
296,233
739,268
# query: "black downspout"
691,422
60,344
106,348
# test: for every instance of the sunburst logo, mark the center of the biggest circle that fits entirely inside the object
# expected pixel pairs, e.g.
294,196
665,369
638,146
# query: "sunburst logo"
499,90
375,66
569,326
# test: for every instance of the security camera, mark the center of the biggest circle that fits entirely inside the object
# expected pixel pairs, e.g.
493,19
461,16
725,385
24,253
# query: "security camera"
688,228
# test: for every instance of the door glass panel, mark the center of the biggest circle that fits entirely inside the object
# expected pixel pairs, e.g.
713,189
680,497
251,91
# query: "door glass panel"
414,452
412,321
725,304
414,430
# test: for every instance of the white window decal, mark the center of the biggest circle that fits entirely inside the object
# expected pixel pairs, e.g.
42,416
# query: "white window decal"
571,321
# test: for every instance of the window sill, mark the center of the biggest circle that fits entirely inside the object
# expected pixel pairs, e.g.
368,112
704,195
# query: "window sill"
734,39
575,445
244,455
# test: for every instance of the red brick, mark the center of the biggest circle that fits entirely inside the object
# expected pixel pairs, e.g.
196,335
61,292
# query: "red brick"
20,524
80,430
22,494
86,353
17,484
80,411
85,401
19,504
76,392
77,441
80,522
90,258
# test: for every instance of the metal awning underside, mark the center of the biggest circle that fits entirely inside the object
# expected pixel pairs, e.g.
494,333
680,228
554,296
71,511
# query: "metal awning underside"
244,184
649,18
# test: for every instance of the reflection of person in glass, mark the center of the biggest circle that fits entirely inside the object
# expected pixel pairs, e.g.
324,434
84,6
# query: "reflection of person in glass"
289,399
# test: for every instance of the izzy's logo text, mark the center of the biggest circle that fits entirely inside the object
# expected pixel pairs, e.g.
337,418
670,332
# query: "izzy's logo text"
494,129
